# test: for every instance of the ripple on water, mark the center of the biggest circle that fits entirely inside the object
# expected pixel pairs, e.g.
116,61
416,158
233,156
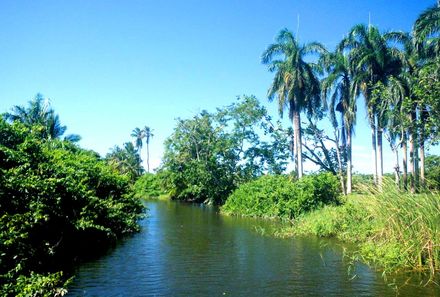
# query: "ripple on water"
187,250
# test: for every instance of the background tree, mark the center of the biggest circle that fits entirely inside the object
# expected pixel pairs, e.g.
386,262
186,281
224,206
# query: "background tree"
138,135
337,89
209,155
295,83
371,62
148,135
126,160
41,117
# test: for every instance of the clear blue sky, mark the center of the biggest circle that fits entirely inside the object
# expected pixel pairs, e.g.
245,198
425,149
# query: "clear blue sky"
111,66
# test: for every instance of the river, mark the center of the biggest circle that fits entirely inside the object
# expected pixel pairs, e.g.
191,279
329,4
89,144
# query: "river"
192,250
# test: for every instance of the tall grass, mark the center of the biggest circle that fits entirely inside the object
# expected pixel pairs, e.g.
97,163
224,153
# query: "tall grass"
408,222
393,229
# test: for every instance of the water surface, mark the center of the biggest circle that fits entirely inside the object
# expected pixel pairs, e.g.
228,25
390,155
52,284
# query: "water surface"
190,250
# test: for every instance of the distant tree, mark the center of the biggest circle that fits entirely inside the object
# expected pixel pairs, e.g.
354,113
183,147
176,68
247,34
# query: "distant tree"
295,83
210,154
148,135
39,115
433,172
126,160
138,135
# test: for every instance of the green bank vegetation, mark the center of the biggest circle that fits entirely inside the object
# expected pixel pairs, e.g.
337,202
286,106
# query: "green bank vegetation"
393,230
59,203
278,196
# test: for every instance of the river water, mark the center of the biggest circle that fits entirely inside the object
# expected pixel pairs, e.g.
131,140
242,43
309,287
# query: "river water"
191,250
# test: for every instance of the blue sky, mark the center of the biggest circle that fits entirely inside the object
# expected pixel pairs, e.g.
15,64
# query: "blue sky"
111,66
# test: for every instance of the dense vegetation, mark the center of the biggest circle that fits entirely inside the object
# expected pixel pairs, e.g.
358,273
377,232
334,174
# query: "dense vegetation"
277,196
392,229
58,203
395,73
208,156
148,186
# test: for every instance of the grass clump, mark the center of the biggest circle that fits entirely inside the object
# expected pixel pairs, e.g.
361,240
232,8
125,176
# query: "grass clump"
393,229
277,196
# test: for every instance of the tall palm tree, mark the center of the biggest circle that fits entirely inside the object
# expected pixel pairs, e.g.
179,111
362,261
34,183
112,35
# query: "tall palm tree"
148,134
138,135
426,38
337,87
295,83
373,62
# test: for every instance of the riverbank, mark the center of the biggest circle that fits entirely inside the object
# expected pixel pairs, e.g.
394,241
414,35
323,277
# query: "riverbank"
392,230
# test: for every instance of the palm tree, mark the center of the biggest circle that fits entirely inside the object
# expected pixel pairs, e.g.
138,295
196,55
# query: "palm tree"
426,32
138,134
372,62
148,134
337,88
39,113
295,83
126,160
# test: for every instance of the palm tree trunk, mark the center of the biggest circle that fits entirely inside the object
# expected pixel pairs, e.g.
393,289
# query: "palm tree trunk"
411,163
349,169
380,156
339,157
422,148
297,129
396,166
148,157
413,168
405,161
373,143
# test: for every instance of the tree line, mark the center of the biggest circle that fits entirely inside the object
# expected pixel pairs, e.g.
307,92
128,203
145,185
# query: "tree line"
396,73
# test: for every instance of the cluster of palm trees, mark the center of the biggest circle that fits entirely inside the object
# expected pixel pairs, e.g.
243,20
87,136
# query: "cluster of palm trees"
382,68
127,159
140,135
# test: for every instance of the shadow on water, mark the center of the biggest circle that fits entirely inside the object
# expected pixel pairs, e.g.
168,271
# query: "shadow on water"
192,250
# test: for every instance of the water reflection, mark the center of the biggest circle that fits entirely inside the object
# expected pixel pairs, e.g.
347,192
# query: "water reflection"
189,250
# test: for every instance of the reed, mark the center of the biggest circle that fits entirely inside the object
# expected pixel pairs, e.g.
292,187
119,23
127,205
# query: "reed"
393,229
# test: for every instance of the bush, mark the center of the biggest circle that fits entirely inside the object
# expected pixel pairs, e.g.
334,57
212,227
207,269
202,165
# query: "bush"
57,202
147,186
278,196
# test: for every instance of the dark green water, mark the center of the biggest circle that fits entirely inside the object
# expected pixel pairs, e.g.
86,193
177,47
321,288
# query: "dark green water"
189,250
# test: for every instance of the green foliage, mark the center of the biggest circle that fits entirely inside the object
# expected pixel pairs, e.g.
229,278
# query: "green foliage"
207,156
57,202
393,229
42,118
432,168
147,186
126,161
38,285
279,196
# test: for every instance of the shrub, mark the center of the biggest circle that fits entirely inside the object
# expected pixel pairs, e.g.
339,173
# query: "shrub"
57,202
147,186
278,196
